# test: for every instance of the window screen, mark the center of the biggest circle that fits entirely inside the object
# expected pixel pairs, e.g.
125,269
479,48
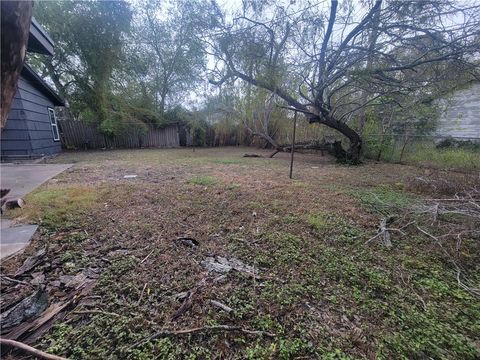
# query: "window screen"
53,122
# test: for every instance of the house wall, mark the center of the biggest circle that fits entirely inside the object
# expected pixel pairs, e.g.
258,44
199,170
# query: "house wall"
28,131
15,135
462,116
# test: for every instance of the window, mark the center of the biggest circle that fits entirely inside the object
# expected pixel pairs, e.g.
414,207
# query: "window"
53,122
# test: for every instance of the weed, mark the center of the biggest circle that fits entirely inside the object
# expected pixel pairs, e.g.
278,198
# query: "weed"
337,354
73,261
332,226
202,180
282,349
382,199
455,158
233,186
422,335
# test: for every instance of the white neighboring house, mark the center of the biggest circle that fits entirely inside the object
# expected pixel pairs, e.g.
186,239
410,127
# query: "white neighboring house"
462,116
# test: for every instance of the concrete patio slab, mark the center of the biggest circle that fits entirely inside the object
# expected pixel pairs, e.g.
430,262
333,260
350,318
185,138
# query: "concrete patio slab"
15,238
22,179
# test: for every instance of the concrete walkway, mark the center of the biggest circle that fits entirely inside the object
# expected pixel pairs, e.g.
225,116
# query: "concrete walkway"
22,179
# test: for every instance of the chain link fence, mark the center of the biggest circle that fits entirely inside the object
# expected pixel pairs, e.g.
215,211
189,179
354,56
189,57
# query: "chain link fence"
436,150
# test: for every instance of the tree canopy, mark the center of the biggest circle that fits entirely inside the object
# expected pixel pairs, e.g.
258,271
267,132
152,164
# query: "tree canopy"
333,61
340,63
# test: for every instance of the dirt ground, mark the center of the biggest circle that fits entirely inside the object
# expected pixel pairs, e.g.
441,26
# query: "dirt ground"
211,255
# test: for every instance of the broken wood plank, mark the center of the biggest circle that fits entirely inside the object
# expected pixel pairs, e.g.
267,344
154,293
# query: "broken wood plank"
31,262
33,329
48,314
29,307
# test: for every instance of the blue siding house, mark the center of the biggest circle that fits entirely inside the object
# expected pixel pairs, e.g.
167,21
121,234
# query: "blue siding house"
31,130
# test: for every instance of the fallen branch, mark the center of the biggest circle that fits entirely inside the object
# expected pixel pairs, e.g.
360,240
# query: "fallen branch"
141,295
146,257
325,145
4,277
167,333
87,312
224,307
30,350
455,200
383,231
471,290
31,262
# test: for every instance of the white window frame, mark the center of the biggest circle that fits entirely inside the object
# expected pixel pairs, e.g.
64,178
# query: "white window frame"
54,124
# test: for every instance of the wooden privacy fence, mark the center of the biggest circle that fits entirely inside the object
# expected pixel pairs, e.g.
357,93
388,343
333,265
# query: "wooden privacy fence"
77,134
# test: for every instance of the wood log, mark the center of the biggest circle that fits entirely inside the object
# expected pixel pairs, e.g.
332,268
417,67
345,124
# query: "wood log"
334,148
11,204
15,203
252,155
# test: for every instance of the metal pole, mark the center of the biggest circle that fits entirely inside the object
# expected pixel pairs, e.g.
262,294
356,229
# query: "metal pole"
293,143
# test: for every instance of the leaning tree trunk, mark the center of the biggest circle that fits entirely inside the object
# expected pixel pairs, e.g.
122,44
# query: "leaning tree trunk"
15,19
352,154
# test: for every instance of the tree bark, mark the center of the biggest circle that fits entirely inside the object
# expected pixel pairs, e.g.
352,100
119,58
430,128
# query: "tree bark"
15,19
352,155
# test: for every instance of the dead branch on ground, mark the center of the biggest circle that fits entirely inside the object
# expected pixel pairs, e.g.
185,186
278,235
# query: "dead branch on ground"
437,212
168,333
30,350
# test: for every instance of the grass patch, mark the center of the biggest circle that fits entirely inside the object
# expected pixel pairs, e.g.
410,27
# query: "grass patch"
202,180
227,161
382,199
455,158
57,208
425,153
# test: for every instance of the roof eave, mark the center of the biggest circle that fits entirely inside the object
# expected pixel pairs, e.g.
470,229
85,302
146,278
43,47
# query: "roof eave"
28,72
39,41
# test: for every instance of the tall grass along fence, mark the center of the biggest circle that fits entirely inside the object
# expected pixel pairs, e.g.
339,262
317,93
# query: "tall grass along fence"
77,134
434,150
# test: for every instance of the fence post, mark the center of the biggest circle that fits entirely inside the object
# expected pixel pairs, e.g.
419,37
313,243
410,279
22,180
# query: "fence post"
293,143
